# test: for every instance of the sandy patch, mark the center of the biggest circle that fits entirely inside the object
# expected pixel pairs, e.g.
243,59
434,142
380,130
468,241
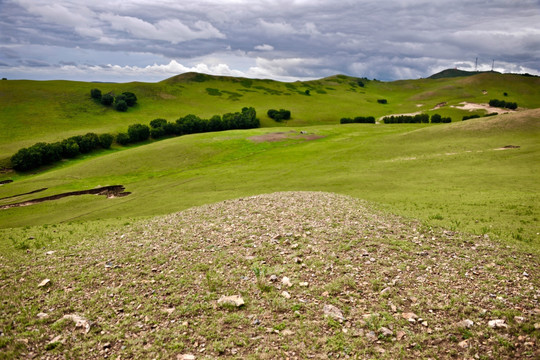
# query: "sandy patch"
167,96
472,107
439,105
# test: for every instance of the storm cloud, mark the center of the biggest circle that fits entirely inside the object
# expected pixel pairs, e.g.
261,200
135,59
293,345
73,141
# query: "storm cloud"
284,40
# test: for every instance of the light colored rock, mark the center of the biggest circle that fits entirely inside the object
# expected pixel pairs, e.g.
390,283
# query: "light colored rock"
385,290
42,315
411,317
287,332
465,324
333,312
273,278
497,324
235,300
385,331
44,283
537,326
463,344
79,321
50,252
286,295
400,335
519,319
371,336
169,310
185,357
286,281
304,284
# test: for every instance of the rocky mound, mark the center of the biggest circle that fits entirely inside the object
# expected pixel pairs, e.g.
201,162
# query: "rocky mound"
287,275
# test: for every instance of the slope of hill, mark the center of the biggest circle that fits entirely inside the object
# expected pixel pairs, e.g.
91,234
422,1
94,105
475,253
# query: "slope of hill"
33,111
314,275
452,73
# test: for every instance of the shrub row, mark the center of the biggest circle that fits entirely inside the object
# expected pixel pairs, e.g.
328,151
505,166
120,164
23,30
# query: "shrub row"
359,120
44,153
121,102
279,115
476,116
47,153
503,104
416,119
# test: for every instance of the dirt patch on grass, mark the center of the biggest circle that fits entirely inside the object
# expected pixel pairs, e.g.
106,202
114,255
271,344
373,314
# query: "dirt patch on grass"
109,191
473,106
282,136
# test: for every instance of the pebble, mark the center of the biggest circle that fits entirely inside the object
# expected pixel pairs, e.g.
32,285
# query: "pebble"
185,357
463,344
496,324
400,335
304,284
465,324
273,278
42,315
44,283
235,300
286,295
333,312
286,281
371,336
385,331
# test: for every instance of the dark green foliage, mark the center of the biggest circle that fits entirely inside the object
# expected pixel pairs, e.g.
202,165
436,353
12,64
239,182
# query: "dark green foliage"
360,83
95,94
87,142
446,120
492,114
122,139
105,140
138,132
121,106
157,123
130,98
382,101
4,78
408,119
70,149
467,117
107,99
358,120
157,132
307,92
213,92
505,94
279,115
436,119
503,104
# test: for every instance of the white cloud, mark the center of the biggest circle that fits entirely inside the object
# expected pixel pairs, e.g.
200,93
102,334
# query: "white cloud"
264,47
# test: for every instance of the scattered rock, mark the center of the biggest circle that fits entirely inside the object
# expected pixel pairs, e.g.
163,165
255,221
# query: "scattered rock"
273,278
42,315
333,312
525,274
79,321
400,335
519,319
537,326
465,324
297,260
411,317
44,283
287,332
185,357
54,342
385,290
385,331
50,252
169,310
286,281
286,295
371,336
235,300
497,324
304,284
463,344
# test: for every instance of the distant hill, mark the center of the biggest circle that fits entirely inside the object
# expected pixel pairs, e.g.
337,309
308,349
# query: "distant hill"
452,73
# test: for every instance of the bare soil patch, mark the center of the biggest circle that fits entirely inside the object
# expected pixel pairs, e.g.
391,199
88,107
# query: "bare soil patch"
473,106
282,136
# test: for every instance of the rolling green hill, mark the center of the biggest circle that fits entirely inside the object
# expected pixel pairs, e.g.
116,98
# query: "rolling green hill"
33,111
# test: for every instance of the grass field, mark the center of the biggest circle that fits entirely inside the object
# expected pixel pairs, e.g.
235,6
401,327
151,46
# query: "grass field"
380,221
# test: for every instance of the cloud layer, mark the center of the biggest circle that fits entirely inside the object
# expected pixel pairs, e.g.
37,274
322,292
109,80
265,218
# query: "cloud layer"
285,40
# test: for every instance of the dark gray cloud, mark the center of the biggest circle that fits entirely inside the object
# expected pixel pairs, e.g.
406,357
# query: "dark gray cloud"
281,39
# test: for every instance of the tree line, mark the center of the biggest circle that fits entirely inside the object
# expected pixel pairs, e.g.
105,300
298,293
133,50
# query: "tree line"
503,104
416,119
358,120
48,153
121,102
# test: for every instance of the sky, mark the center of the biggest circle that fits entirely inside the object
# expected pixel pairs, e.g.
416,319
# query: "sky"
286,40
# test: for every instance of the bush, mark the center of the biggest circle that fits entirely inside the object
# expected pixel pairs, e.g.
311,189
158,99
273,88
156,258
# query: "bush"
121,106
503,104
70,148
382,101
107,99
358,120
446,120
436,118
468,117
157,123
95,94
105,140
279,115
130,98
157,133
138,132
122,139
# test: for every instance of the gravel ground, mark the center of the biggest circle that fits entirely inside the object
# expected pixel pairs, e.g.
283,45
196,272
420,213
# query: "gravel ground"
320,276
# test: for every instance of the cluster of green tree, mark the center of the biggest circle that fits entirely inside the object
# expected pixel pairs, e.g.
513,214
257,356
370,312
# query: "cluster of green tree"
503,104
47,153
279,115
43,153
476,116
382,101
359,120
416,119
121,102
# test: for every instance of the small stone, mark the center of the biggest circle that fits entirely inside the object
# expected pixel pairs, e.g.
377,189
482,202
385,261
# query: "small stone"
286,295
400,335
537,326
385,290
411,317
287,332
325,294
519,319
286,281
497,324
371,336
525,274
294,246
79,321
393,307
333,312
304,284
297,260
185,357
107,345
385,331
57,339
465,324
424,323
235,300
44,283
169,310
42,315
273,278
50,252
463,344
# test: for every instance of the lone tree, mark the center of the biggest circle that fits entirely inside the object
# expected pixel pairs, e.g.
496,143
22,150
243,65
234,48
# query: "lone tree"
95,94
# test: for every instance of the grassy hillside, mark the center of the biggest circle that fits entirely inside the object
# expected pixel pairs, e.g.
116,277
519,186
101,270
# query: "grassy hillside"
33,111
449,175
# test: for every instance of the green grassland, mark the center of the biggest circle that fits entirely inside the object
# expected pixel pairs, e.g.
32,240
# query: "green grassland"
49,111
